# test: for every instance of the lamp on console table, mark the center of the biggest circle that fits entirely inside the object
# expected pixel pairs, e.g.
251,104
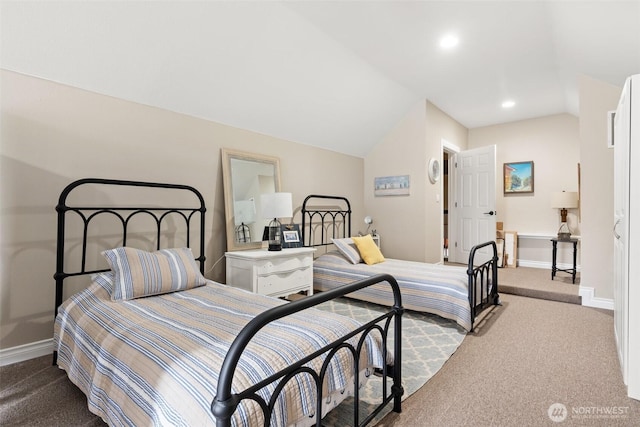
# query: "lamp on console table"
564,200
276,205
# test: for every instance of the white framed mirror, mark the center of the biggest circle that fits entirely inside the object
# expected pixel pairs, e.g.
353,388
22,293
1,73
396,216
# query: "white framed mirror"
246,176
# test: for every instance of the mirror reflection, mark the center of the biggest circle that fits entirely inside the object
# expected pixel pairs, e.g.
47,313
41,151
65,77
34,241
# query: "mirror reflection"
246,177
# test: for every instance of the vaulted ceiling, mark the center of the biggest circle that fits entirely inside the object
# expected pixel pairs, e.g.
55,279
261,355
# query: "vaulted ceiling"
333,74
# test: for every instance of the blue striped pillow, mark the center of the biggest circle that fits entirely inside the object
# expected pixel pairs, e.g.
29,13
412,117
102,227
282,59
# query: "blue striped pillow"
348,248
139,273
105,280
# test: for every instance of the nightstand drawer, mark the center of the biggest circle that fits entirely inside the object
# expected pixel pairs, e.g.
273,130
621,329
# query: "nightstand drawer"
285,281
279,265
274,273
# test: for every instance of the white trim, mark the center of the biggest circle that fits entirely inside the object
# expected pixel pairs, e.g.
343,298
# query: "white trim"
535,264
26,352
448,146
542,236
589,300
451,149
545,265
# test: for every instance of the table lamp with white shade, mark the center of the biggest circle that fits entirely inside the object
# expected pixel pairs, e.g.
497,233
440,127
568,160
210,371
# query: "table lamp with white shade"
274,206
564,200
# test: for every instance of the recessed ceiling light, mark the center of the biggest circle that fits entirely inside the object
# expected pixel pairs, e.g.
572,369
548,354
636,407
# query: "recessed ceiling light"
449,41
508,104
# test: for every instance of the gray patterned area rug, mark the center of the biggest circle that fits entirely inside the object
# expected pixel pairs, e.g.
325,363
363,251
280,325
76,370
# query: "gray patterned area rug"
427,343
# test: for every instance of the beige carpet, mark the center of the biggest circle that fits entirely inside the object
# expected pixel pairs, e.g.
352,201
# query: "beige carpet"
537,283
526,356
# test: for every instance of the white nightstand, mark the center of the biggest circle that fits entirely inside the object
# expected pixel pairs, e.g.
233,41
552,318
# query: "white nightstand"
274,273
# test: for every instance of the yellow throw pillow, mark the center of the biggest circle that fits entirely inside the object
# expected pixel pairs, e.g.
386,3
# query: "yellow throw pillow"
369,251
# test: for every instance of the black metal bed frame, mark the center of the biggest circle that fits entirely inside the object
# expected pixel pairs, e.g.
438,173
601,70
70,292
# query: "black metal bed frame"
482,278
225,402
124,214
327,219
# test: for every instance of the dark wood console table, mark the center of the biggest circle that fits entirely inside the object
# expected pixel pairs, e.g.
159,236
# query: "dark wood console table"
554,268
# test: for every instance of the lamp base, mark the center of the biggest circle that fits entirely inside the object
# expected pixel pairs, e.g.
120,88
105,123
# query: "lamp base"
275,247
564,232
275,239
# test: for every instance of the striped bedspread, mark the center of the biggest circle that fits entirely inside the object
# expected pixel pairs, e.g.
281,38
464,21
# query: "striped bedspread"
429,288
155,360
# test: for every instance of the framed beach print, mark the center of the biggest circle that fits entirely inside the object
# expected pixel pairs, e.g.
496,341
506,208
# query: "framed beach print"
518,177
391,185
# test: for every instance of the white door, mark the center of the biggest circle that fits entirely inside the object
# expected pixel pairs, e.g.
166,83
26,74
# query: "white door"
474,203
620,206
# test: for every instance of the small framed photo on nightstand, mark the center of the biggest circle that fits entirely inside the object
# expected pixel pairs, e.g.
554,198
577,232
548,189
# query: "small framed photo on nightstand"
291,237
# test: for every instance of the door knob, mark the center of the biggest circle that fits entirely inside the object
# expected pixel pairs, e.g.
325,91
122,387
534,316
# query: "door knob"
490,213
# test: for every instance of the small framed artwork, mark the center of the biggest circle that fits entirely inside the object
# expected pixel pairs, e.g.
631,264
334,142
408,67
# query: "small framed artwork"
391,185
291,236
518,177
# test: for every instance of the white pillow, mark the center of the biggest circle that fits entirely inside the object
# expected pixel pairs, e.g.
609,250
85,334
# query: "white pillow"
348,248
139,273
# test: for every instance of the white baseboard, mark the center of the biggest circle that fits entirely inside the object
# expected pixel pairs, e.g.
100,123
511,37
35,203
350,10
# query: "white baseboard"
26,352
534,264
589,300
544,265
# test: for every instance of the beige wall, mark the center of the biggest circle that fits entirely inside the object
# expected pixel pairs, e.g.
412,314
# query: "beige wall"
552,143
596,99
411,226
402,152
53,134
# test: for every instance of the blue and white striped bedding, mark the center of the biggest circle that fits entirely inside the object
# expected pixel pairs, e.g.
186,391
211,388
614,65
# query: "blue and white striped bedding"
155,360
429,288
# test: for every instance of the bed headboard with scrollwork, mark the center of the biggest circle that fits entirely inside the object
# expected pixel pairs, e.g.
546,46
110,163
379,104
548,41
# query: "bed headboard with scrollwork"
186,218
324,218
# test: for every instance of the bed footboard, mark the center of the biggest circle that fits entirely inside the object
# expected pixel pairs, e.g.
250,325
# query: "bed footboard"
226,402
483,281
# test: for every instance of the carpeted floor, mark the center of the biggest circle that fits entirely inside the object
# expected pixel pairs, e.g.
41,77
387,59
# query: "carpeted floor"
527,358
537,283
34,393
